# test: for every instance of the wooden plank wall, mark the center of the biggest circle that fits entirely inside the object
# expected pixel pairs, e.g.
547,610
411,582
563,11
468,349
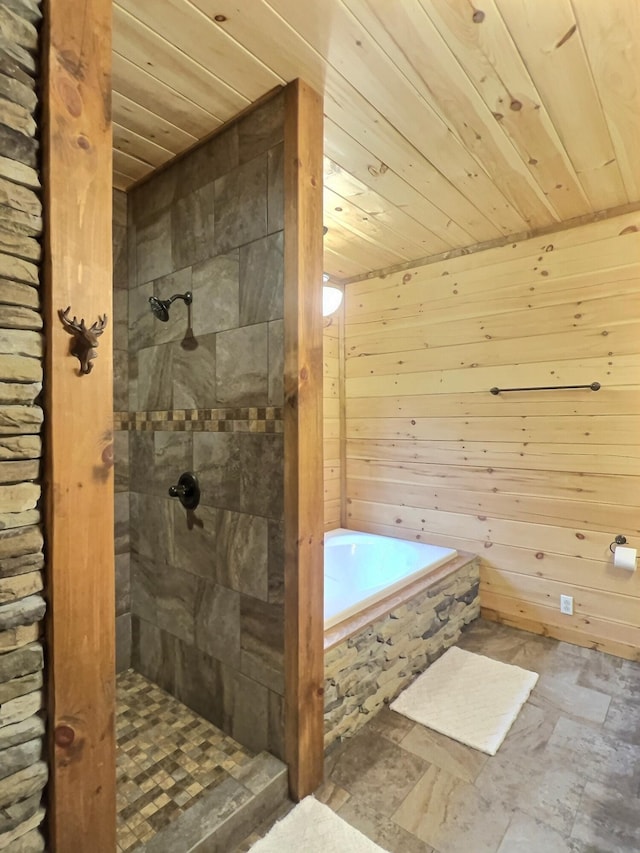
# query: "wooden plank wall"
332,405
538,483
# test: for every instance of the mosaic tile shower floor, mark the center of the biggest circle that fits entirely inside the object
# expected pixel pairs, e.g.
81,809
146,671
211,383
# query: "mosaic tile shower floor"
167,758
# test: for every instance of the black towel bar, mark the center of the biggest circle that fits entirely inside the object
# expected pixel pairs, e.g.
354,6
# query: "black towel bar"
595,386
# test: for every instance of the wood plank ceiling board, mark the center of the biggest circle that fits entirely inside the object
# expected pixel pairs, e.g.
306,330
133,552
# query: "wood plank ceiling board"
348,47
125,164
420,54
167,63
336,265
354,114
129,142
201,39
368,202
610,35
120,181
399,192
136,118
361,251
265,32
350,217
141,88
551,45
447,125
493,64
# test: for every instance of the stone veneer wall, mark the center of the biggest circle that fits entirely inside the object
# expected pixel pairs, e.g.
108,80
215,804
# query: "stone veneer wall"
121,436
23,772
371,667
205,394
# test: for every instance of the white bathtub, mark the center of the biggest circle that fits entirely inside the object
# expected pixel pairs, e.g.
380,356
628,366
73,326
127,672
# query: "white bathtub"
361,569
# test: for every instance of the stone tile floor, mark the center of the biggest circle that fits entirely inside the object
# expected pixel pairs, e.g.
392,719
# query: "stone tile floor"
167,759
565,780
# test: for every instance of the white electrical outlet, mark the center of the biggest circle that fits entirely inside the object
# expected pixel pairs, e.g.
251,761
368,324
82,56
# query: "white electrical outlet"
566,604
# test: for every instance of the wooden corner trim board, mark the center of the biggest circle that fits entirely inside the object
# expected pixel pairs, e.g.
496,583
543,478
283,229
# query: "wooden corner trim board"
78,475
303,428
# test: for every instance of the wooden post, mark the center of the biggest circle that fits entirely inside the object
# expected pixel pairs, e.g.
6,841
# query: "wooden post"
79,420
303,501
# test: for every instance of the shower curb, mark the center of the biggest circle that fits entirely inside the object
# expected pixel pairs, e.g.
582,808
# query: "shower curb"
219,821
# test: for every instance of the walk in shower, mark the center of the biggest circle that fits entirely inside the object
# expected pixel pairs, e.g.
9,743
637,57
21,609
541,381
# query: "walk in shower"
198,389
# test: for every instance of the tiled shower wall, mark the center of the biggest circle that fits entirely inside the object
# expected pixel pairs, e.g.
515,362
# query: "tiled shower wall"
205,394
121,436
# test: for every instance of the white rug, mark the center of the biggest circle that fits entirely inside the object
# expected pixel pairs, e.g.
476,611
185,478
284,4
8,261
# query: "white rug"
312,827
470,698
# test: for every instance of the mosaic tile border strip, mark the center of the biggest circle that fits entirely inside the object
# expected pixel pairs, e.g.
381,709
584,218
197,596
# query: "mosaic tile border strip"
266,419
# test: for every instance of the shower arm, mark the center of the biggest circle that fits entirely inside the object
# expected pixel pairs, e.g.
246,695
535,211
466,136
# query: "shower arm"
186,297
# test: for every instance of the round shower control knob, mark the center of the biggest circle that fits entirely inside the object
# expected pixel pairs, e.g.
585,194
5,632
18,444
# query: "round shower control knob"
187,491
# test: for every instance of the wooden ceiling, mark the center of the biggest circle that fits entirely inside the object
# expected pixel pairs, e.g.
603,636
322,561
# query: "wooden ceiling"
447,123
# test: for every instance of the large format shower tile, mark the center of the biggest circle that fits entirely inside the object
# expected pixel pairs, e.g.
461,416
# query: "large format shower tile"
192,227
241,205
261,280
242,366
215,288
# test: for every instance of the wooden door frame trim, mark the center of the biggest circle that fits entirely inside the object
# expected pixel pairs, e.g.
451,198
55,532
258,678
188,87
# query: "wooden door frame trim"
303,440
78,459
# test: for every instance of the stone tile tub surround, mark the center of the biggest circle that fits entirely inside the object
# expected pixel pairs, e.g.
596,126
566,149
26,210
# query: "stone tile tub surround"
207,589
23,768
370,658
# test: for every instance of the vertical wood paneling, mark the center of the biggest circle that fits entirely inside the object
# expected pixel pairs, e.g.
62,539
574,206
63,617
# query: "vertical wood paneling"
304,576
79,420
537,483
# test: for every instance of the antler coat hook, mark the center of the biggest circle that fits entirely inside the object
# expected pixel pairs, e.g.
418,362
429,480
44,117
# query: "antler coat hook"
85,339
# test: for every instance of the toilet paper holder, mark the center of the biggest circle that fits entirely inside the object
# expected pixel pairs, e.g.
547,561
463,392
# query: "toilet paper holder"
619,540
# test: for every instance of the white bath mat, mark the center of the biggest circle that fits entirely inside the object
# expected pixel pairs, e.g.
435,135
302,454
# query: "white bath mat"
312,827
470,698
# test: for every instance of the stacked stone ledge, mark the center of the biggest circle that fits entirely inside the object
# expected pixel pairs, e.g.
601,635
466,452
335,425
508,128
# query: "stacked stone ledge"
23,769
369,669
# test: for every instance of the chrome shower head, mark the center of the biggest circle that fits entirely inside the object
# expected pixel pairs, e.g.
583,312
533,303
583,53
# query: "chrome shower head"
160,307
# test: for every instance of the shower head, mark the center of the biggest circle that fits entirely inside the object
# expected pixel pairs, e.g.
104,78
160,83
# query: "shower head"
160,307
